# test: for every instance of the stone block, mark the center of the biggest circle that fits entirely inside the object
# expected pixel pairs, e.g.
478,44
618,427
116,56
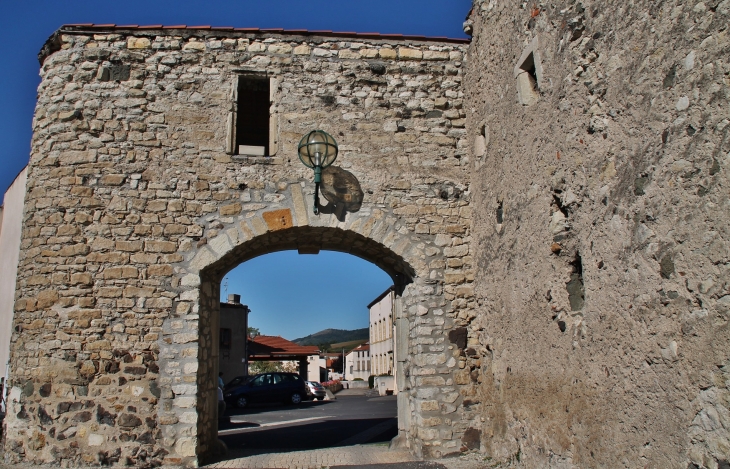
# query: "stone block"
157,205
280,49
158,303
185,338
259,227
387,54
161,270
47,298
120,272
405,53
160,246
435,55
202,259
81,278
77,157
348,54
457,251
128,246
221,244
431,421
320,52
428,406
194,46
190,280
132,291
98,345
138,43
232,209
84,314
302,49
186,447
113,179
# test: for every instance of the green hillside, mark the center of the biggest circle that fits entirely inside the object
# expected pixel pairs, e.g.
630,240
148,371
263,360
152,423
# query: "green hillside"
334,336
349,345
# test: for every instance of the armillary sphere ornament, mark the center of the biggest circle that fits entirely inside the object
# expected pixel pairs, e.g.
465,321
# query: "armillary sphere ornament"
317,150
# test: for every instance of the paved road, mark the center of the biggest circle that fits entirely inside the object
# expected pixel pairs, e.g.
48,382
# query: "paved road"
349,420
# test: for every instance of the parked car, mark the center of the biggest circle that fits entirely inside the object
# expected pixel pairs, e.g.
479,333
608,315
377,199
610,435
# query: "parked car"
235,382
288,388
316,390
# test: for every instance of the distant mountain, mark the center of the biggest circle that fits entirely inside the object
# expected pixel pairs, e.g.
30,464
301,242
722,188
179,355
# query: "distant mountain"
334,336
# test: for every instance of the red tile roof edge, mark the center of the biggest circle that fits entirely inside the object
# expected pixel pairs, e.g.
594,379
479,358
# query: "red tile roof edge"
280,346
326,33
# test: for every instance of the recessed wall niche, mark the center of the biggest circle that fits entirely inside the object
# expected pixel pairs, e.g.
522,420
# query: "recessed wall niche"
528,74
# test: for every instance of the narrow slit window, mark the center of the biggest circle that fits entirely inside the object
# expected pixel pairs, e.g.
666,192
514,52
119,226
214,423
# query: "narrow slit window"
528,74
529,66
252,116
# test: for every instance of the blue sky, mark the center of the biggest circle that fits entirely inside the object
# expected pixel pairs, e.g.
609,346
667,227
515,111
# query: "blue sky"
294,295
26,24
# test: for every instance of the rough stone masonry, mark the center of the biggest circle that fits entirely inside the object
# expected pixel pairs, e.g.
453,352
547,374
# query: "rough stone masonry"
138,204
601,140
579,317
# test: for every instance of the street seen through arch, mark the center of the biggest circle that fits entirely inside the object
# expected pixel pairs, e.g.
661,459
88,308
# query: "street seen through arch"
320,305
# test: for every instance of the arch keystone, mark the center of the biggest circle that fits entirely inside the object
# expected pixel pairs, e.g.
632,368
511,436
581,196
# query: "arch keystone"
278,219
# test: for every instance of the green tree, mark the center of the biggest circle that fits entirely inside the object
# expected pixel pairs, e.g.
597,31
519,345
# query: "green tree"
254,330
255,368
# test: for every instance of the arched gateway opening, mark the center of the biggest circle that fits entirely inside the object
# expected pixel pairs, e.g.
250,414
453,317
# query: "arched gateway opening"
291,296
220,256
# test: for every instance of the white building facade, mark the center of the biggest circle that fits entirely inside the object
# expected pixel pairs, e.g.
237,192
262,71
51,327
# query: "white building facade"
357,363
382,336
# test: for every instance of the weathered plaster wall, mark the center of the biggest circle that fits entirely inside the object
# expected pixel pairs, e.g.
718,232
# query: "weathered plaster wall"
135,212
601,234
11,224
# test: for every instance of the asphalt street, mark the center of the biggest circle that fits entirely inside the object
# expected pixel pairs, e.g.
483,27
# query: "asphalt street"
349,420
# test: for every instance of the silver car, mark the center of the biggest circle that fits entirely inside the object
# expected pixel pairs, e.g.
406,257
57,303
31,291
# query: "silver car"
316,390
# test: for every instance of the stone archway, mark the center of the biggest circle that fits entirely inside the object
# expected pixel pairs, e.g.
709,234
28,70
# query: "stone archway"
372,234
323,238
133,214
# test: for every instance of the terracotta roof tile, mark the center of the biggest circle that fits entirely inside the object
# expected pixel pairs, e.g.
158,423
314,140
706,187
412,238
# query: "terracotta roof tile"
273,345
282,31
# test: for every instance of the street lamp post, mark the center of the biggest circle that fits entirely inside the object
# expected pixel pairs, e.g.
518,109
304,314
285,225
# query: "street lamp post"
317,150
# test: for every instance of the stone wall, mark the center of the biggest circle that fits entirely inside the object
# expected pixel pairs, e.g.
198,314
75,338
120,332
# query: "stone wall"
136,209
601,234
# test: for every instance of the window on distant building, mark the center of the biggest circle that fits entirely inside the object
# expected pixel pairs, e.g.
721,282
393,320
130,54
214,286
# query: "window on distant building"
225,342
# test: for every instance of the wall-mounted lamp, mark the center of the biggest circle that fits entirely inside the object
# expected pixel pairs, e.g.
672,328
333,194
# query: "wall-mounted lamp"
317,150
